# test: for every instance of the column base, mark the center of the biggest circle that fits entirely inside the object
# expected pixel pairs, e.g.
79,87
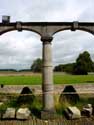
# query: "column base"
46,114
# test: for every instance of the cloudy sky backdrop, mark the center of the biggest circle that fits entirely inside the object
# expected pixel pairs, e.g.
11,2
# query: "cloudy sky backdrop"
19,49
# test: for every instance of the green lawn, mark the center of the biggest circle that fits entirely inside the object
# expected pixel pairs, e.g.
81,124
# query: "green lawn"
59,78
72,79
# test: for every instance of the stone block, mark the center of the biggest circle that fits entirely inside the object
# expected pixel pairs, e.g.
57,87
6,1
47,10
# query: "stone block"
87,110
23,113
73,112
9,113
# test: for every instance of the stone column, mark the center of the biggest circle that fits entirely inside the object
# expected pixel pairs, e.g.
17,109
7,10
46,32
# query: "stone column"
47,83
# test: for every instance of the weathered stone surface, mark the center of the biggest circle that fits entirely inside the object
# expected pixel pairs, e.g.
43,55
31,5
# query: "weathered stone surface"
69,94
87,110
26,96
47,86
73,112
23,113
9,113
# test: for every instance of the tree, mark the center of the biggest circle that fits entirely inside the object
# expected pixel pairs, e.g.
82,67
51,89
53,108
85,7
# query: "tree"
68,68
83,64
37,65
59,68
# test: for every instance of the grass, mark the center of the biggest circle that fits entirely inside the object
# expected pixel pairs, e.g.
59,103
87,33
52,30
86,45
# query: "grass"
83,101
59,78
36,79
20,80
36,106
72,79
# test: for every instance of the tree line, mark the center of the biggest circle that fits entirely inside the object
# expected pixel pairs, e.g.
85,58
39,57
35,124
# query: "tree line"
82,66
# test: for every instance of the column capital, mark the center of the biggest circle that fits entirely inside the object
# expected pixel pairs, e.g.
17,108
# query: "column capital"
46,39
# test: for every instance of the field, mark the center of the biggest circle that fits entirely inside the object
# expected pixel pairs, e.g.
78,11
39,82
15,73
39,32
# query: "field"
28,78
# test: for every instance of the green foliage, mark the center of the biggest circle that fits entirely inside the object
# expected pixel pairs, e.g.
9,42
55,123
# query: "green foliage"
58,106
58,68
64,68
68,67
37,65
83,64
36,106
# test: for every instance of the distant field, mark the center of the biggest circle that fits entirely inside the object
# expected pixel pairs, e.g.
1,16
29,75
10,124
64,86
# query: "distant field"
28,78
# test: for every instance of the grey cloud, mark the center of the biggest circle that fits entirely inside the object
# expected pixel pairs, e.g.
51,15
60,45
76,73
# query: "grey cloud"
66,49
18,50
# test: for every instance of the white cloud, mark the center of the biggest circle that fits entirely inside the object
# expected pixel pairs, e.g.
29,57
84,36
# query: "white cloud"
18,50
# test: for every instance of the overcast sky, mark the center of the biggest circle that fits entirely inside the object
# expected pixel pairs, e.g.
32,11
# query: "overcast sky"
19,49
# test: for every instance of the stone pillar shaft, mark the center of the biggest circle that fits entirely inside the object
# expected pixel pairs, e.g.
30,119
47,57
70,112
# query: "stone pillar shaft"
47,85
